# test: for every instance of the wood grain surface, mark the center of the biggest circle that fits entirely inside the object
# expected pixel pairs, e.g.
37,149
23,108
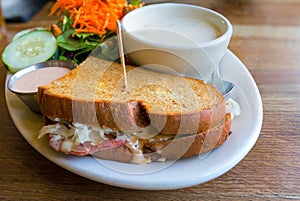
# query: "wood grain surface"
266,39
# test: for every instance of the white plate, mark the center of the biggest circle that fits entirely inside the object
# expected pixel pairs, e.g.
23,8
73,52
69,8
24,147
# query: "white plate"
159,176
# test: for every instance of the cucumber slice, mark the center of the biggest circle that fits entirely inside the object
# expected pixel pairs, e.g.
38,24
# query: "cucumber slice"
26,31
31,48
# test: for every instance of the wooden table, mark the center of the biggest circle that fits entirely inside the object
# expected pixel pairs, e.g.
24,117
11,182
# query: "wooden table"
267,39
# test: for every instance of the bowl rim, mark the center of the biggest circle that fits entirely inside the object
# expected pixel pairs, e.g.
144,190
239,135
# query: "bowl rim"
227,34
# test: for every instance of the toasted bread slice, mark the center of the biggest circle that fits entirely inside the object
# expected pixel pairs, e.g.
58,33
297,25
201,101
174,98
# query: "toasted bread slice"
94,94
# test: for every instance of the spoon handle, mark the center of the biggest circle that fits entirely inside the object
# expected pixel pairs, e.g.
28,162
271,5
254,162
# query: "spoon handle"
225,87
216,79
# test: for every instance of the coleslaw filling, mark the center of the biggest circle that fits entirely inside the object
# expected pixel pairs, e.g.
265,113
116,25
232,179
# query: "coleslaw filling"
73,135
67,137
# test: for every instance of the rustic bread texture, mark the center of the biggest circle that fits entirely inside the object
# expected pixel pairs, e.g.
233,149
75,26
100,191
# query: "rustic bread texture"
94,94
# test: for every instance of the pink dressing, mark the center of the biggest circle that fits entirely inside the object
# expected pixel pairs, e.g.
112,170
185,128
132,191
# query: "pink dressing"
29,82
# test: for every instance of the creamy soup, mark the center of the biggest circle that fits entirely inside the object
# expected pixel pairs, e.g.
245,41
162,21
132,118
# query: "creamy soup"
177,31
30,81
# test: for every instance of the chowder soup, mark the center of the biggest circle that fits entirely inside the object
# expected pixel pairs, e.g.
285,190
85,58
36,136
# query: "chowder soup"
176,38
179,31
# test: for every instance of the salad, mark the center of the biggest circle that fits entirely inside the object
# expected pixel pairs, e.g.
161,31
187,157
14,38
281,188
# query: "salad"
82,26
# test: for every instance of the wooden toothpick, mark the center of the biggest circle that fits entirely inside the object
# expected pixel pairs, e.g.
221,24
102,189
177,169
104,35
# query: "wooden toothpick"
121,51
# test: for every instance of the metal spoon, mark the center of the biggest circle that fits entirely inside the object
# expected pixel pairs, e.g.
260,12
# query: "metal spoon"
224,86
228,88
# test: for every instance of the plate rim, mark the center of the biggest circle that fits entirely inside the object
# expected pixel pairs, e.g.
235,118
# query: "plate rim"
162,185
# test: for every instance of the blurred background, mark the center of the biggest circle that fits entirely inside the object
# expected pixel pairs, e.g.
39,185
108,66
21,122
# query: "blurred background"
20,10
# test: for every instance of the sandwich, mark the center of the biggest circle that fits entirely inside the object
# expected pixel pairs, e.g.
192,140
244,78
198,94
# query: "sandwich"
157,117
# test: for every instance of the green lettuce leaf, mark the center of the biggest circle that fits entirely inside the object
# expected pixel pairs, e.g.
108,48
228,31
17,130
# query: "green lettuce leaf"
69,41
135,2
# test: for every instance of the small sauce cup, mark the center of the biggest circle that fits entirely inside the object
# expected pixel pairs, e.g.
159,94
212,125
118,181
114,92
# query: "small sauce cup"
24,83
176,38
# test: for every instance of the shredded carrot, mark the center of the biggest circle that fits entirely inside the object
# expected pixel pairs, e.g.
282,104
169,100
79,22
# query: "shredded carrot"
91,16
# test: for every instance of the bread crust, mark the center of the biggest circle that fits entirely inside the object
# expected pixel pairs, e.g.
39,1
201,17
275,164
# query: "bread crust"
190,123
129,116
192,145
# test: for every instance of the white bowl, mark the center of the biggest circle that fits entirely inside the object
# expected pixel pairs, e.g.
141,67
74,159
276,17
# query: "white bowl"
172,48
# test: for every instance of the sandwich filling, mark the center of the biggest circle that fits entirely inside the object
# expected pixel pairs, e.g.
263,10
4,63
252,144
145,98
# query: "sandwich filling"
145,146
79,139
